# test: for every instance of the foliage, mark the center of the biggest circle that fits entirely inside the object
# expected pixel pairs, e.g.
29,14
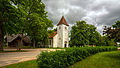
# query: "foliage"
116,25
62,59
104,41
24,17
9,16
113,33
34,20
100,60
84,34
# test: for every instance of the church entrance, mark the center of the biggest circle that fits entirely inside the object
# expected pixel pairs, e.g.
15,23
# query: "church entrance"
65,45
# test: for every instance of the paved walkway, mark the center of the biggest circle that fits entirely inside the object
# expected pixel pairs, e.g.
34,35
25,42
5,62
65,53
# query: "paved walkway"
15,57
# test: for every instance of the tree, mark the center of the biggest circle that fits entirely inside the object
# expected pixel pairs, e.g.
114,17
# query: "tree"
105,41
23,17
34,20
83,34
116,25
113,32
38,23
8,17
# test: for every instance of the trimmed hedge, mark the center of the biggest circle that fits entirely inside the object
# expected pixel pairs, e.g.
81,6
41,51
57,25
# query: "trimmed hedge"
62,59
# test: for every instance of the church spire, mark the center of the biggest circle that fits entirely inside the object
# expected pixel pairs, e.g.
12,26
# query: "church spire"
62,21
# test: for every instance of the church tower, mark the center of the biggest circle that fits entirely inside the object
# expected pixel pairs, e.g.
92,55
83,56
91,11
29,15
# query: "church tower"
62,31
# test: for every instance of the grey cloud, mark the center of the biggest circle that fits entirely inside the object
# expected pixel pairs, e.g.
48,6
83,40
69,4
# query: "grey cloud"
75,10
113,13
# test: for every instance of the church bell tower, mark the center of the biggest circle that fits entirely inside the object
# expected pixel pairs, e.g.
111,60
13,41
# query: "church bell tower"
62,31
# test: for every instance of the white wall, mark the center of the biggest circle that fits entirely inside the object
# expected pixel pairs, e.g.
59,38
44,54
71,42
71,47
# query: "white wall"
55,41
62,35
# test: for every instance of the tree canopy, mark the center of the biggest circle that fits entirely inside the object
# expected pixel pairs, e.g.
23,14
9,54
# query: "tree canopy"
23,17
113,32
9,16
83,34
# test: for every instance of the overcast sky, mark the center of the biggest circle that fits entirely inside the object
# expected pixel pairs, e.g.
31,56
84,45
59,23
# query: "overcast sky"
96,12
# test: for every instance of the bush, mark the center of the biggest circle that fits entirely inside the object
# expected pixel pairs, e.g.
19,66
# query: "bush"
62,59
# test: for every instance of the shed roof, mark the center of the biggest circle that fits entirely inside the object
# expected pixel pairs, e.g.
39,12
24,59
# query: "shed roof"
13,37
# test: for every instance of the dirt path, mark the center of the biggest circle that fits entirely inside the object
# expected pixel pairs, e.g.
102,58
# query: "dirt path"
15,57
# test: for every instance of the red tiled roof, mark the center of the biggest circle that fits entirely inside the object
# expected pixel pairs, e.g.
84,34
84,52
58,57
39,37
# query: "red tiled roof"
62,21
52,35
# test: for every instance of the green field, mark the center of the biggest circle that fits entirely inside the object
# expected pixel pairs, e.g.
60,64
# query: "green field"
26,64
100,60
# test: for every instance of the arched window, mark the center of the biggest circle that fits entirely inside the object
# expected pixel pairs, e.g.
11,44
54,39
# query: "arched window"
65,27
59,27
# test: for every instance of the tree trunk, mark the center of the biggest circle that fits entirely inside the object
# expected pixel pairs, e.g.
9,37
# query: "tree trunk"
33,43
1,36
7,40
21,42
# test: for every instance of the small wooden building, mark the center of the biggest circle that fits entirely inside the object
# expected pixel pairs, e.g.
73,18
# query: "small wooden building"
15,40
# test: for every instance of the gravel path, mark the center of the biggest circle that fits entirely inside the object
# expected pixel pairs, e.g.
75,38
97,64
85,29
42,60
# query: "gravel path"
15,57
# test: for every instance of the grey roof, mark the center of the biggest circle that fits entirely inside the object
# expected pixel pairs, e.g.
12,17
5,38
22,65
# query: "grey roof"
13,37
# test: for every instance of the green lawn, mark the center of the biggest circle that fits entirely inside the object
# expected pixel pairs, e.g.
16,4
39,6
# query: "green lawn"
26,64
100,60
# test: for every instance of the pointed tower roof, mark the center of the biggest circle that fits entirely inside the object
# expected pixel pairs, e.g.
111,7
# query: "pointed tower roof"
62,21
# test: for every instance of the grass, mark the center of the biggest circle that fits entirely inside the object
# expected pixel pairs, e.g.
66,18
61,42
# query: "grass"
100,60
26,64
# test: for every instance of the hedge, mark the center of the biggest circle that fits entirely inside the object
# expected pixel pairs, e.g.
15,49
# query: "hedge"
64,58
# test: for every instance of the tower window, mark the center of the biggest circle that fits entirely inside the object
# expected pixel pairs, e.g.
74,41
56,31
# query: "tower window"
59,27
65,27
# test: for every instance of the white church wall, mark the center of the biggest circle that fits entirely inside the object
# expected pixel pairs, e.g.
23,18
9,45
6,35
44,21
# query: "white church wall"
65,35
62,31
55,41
60,35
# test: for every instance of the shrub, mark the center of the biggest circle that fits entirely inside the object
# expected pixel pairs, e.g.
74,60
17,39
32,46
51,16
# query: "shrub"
64,58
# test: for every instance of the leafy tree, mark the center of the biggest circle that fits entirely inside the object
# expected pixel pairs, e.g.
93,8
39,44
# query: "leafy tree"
34,20
83,34
23,17
37,21
113,32
104,41
8,18
116,25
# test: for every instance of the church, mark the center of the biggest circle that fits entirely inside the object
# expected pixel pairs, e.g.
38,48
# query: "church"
60,38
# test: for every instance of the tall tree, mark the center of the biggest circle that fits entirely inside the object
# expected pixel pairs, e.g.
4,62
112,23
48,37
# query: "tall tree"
8,17
34,20
23,17
37,21
83,34
105,41
113,32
